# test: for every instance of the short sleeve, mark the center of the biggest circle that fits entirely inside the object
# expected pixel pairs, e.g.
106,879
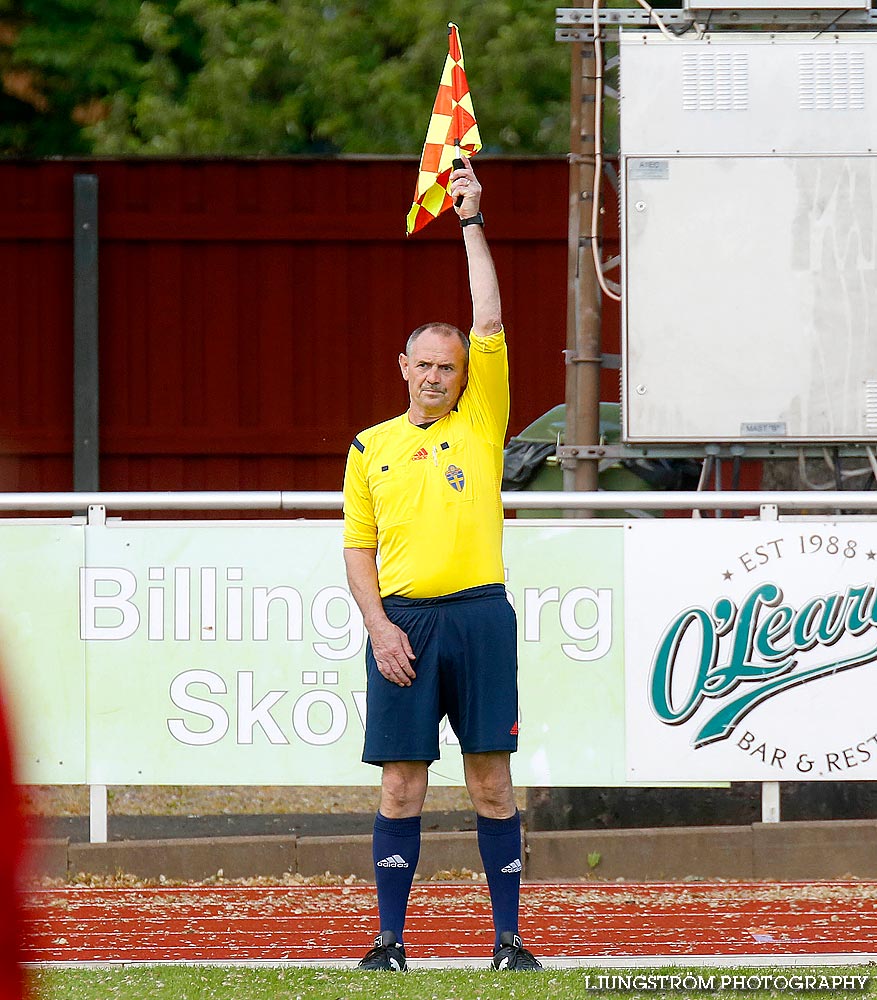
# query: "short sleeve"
360,530
485,399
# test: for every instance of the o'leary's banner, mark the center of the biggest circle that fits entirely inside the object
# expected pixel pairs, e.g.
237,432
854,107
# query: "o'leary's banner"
232,653
750,650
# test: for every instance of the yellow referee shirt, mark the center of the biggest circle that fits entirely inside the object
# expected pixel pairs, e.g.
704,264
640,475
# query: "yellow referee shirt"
428,499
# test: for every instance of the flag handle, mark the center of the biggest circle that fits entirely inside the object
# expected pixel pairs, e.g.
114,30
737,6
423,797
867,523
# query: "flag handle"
457,164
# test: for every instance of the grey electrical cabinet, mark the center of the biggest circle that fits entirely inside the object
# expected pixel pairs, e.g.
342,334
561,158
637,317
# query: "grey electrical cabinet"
749,237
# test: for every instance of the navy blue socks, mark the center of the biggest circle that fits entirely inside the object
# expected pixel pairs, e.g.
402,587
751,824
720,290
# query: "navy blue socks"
396,850
499,841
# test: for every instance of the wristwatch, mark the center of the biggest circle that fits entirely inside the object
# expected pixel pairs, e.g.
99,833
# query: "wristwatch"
473,220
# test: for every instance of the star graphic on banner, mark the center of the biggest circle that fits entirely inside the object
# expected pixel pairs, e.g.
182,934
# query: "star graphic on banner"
727,575
871,555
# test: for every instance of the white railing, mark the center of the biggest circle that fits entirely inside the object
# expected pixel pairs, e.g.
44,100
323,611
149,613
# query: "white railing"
524,500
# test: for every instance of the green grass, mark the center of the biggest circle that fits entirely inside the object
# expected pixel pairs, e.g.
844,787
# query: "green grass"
207,983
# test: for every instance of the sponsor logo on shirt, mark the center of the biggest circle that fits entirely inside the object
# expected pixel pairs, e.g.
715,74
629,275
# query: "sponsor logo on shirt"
419,455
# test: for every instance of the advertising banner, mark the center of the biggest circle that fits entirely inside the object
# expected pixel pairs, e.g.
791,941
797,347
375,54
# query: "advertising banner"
233,653
43,659
750,650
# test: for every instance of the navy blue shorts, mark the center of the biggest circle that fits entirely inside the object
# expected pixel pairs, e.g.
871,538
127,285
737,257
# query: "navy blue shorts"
467,668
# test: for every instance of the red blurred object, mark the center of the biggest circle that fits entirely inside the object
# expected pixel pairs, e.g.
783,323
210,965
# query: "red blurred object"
11,861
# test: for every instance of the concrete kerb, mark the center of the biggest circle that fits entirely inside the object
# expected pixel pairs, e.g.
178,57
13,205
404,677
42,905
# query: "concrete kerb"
793,851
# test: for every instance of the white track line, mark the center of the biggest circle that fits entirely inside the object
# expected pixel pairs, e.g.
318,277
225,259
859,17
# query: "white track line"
598,962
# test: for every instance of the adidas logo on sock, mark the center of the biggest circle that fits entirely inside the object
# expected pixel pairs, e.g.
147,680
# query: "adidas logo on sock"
397,861
513,868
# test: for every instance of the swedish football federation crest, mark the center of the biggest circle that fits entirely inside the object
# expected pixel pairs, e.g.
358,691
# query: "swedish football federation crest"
454,475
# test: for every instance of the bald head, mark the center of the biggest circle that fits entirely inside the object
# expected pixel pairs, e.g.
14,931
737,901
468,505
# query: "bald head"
443,330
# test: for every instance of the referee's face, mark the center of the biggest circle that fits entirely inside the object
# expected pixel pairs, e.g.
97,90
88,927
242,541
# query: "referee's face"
436,373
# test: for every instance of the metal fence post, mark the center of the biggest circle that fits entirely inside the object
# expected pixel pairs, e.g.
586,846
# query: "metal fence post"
97,814
770,802
86,382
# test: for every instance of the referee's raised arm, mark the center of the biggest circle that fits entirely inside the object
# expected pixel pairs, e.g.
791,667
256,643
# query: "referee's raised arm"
486,305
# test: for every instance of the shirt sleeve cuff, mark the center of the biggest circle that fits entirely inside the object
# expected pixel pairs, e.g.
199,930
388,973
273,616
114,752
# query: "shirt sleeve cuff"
488,345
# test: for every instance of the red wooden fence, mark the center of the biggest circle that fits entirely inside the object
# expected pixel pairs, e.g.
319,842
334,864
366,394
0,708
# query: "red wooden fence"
251,312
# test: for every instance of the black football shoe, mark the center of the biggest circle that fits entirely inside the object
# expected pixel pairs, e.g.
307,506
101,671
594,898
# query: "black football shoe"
386,954
512,954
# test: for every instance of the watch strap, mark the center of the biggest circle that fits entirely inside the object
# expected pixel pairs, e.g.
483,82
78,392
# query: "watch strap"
473,220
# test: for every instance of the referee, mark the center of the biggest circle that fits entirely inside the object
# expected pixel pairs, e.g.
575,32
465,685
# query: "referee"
423,550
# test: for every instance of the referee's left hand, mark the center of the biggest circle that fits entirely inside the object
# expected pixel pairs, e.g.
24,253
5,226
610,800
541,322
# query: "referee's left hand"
465,184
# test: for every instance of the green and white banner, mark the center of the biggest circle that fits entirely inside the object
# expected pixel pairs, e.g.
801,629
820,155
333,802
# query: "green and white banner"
232,653
750,650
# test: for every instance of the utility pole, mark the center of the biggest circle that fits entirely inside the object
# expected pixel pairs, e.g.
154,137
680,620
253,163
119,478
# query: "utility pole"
583,349
551,808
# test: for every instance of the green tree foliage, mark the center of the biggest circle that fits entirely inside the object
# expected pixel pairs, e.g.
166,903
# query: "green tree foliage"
276,77
57,57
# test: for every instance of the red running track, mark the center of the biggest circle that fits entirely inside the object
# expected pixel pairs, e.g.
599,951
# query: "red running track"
580,921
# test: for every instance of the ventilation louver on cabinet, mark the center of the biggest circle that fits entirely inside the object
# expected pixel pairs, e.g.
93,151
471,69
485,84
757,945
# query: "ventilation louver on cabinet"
715,81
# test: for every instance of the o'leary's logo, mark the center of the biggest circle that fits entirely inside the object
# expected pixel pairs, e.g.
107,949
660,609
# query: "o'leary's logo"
764,638
455,477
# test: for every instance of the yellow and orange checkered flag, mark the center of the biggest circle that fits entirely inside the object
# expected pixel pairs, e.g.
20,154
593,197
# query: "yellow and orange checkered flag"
452,124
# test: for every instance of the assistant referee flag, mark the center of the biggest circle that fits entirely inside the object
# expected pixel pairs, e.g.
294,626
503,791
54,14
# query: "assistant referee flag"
452,124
